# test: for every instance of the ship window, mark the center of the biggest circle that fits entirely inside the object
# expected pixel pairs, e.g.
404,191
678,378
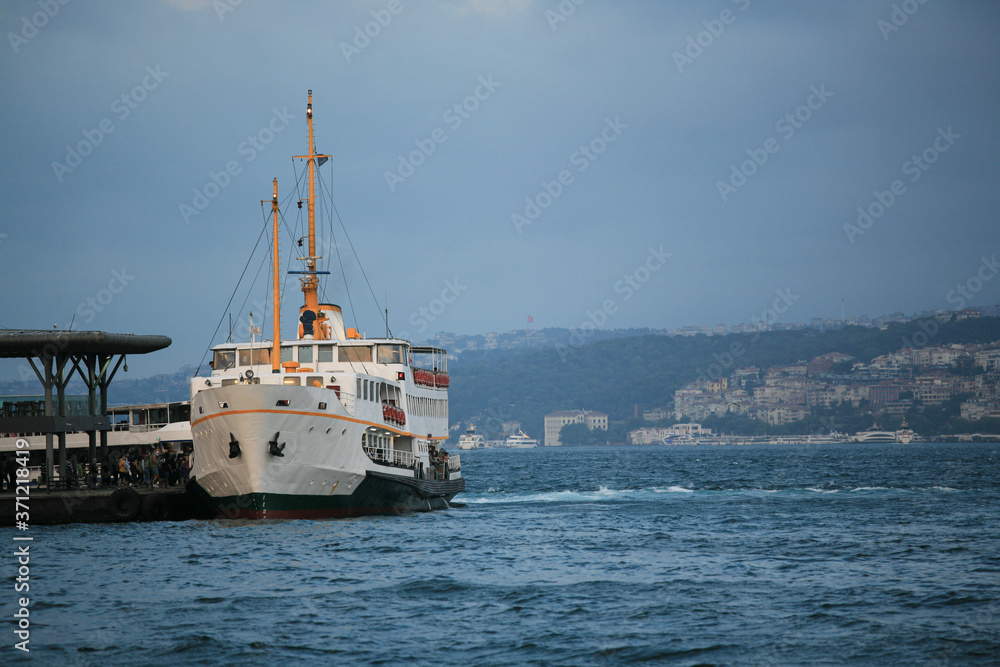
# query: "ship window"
365,383
229,381
286,353
282,402
224,359
390,354
324,353
293,380
306,354
354,353
321,406
314,381
261,355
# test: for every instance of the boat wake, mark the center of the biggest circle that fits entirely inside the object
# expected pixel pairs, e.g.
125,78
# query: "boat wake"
493,496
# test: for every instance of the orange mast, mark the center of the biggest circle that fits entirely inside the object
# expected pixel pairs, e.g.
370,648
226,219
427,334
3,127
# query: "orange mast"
276,344
310,283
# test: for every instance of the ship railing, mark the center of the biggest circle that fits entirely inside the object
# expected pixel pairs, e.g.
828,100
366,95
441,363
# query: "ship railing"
138,428
347,400
391,457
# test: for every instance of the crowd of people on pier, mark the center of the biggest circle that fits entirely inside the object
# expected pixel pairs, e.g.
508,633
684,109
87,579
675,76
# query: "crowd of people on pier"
157,467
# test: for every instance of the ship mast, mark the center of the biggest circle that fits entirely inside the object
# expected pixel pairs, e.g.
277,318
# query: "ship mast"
276,344
310,283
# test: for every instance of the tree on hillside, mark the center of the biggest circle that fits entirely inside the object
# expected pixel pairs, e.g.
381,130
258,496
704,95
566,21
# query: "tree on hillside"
575,435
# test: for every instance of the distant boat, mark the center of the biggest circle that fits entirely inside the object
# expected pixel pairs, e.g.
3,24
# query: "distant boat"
873,434
520,441
471,440
905,435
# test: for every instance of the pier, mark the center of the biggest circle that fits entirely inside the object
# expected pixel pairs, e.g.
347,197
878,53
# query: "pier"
95,357
103,505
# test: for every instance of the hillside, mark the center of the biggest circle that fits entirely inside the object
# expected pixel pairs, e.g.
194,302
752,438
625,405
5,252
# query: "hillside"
616,376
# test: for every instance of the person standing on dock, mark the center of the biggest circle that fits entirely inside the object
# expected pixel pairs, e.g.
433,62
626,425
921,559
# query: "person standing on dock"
107,471
92,475
154,469
123,475
5,473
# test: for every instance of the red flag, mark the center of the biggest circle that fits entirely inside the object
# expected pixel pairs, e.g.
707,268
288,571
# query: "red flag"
530,319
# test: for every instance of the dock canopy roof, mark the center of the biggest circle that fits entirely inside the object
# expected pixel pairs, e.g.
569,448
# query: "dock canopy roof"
20,343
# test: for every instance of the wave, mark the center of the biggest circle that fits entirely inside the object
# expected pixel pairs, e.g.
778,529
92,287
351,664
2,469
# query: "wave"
495,495
602,493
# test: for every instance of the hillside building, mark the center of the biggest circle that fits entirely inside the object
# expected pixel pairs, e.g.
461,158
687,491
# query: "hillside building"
556,420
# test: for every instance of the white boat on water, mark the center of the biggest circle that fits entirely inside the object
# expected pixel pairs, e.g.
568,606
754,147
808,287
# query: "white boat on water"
873,434
327,424
905,434
520,441
471,439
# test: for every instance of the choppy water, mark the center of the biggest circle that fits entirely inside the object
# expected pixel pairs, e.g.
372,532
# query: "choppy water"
874,554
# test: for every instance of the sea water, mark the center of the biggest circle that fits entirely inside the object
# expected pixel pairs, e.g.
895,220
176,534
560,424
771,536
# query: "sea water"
753,555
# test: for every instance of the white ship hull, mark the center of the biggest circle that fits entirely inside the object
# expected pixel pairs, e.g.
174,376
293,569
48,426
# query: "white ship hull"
322,469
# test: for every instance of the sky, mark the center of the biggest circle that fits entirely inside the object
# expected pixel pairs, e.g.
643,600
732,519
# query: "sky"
629,163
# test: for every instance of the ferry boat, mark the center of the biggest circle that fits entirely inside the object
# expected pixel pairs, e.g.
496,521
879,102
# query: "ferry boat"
329,424
520,441
905,434
873,434
471,439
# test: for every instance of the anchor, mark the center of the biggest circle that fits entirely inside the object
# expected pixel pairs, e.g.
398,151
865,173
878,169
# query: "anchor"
234,447
274,448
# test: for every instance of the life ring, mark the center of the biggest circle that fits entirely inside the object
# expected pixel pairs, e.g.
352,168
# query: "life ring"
125,504
155,507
